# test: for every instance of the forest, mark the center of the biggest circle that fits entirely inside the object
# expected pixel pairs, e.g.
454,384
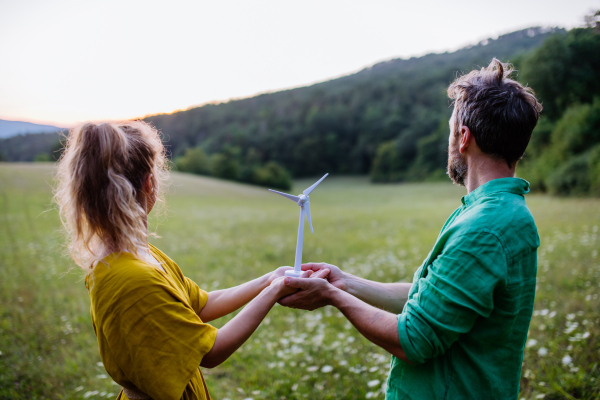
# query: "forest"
391,120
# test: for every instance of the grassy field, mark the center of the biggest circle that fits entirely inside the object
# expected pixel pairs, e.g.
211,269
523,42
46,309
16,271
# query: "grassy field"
222,234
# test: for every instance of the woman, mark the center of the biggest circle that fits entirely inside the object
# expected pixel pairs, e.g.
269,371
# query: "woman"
150,320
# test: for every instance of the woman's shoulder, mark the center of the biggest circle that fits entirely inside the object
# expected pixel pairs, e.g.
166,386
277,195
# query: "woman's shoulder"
166,261
121,271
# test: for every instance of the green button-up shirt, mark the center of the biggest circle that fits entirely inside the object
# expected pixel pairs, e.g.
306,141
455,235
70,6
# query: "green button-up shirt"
465,323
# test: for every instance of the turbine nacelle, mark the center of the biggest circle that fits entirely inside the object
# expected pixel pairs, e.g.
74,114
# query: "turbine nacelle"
303,199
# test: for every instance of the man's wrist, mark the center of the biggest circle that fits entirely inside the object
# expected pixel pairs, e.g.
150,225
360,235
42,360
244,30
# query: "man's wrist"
350,283
333,295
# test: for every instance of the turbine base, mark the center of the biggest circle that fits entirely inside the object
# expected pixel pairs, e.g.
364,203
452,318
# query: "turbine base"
293,274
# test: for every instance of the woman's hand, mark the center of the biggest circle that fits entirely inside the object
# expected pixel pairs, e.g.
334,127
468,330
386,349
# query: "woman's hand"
280,288
278,273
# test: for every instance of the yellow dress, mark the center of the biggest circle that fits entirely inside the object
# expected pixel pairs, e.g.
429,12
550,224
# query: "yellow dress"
150,336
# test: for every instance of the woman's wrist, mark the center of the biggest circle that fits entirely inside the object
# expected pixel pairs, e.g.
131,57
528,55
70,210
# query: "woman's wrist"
271,292
263,281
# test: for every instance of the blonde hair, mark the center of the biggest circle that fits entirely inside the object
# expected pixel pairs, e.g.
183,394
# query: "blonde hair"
99,191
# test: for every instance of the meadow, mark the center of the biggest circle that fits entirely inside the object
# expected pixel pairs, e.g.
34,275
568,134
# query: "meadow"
222,234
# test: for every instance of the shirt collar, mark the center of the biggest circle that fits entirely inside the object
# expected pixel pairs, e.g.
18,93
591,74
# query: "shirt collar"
511,185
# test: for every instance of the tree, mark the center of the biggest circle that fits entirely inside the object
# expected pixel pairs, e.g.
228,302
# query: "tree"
195,161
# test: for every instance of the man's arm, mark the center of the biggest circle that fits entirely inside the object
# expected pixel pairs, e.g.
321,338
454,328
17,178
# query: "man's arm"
380,327
387,296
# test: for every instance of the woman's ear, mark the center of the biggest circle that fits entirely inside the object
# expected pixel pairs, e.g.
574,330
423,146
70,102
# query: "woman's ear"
148,186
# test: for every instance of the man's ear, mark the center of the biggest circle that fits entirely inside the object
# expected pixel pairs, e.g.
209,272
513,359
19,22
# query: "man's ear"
466,137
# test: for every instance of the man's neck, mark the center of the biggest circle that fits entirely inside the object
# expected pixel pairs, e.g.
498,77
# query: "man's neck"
484,169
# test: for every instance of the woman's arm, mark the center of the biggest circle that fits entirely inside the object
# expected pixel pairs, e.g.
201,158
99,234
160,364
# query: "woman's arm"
225,301
231,336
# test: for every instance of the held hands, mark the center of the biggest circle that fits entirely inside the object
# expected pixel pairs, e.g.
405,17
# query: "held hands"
336,277
314,293
281,284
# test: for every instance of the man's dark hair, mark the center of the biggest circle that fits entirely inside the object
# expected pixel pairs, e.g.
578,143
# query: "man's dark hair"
500,112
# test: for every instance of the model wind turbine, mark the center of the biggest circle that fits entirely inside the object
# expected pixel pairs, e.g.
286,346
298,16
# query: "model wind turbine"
304,202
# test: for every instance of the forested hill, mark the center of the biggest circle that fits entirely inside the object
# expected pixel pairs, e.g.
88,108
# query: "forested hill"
397,108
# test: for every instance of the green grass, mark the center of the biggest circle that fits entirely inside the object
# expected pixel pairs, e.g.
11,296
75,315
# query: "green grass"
222,234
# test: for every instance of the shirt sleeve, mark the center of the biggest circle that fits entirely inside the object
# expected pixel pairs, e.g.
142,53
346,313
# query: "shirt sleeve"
157,339
198,297
458,287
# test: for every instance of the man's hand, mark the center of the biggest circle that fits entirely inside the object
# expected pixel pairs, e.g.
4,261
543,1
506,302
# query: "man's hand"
336,277
313,293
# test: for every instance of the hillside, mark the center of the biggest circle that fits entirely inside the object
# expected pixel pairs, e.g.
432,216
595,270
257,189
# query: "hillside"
337,126
29,146
12,128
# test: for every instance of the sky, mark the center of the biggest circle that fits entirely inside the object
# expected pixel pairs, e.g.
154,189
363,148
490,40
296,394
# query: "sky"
64,62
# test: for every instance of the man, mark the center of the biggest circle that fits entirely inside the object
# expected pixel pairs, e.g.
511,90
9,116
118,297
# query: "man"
462,324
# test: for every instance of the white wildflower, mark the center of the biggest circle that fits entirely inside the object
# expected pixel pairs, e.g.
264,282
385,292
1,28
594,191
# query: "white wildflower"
373,383
571,326
542,351
567,360
326,369
544,312
312,369
570,316
370,395
78,388
294,387
531,342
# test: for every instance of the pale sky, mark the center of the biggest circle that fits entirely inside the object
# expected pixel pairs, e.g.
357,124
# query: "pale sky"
64,62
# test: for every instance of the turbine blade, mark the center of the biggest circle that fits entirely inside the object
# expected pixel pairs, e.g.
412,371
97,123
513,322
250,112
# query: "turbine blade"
289,196
307,209
310,189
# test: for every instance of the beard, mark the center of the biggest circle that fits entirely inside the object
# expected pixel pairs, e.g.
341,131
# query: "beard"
457,167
